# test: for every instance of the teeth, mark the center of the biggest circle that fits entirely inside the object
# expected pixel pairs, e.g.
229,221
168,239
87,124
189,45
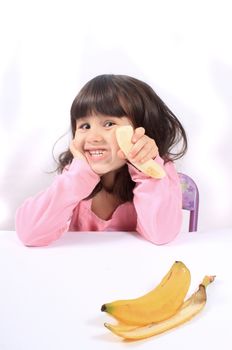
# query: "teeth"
96,153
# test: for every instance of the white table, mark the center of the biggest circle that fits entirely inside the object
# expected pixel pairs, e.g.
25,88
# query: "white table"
51,297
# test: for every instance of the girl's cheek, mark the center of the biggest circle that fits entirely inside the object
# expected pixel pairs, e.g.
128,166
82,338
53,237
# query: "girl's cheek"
113,143
113,138
79,141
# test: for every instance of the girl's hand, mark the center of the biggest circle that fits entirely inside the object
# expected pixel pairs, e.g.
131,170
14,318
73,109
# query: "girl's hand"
144,147
75,151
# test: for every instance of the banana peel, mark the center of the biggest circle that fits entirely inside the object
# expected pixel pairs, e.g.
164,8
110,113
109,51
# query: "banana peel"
190,308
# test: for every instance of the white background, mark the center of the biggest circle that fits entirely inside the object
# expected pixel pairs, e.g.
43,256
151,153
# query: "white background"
51,296
49,49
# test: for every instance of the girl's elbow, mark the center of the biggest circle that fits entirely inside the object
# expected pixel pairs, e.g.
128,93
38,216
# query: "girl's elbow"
160,233
24,231
160,237
28,238
30,234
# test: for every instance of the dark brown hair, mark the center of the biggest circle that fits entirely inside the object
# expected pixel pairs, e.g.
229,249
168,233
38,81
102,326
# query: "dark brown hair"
122,95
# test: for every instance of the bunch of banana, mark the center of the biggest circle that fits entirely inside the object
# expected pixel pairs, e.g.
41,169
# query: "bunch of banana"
159,310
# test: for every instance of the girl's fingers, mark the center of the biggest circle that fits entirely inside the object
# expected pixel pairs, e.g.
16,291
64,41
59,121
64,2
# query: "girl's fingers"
148,156
121,155
72,147
139,132
144,149
138,146
75,152
144,155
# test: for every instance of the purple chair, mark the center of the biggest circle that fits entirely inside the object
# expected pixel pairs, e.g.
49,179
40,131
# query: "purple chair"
190,197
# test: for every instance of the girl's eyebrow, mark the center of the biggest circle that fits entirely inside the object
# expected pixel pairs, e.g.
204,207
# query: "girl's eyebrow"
86,118
109,117
81,119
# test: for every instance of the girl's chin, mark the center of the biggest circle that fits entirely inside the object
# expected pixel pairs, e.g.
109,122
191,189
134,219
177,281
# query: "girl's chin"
98,167
100,170
104,169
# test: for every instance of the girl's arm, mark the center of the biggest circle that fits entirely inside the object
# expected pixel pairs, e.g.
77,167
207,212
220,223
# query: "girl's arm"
158,203
45,217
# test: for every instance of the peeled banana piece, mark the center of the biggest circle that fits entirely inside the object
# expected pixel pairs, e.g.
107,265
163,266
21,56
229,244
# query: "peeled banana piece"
159,304
190,308
151,168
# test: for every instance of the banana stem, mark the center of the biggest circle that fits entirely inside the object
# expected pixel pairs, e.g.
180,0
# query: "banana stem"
207,280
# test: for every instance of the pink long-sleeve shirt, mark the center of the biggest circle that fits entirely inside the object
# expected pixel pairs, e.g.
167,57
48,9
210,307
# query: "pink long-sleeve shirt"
155,213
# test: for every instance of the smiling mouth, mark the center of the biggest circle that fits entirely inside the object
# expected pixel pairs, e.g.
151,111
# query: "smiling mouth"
96,154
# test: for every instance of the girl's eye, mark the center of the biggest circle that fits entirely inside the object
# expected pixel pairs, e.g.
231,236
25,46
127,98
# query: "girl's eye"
84,126
108,124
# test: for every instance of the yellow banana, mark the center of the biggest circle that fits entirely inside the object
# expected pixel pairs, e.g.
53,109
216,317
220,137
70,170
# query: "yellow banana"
151,168
191,307
157,305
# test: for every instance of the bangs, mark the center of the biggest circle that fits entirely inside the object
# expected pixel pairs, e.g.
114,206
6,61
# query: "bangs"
99,96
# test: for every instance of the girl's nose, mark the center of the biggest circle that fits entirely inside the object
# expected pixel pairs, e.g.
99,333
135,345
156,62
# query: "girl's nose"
95,136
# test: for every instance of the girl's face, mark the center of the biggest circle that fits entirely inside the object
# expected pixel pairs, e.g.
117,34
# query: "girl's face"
95,138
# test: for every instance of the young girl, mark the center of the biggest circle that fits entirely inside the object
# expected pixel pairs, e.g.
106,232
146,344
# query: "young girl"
97,188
